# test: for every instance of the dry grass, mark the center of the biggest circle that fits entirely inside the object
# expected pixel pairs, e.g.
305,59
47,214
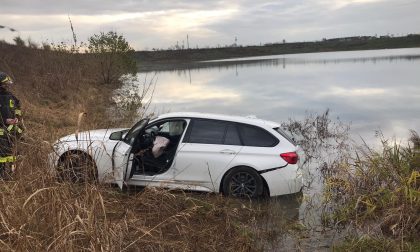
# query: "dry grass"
370,195
38,213
378,193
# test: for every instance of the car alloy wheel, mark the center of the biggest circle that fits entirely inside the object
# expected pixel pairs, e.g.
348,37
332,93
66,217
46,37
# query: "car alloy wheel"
243,182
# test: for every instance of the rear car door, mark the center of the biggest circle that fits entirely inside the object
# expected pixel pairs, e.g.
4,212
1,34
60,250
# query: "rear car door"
207,149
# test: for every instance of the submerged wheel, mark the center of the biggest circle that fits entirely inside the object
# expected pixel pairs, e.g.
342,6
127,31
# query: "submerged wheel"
78,168
243,182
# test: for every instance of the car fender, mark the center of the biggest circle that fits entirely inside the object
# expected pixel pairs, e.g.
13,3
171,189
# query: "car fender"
95,149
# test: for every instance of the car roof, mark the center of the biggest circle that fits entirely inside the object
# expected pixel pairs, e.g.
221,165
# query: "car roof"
241,119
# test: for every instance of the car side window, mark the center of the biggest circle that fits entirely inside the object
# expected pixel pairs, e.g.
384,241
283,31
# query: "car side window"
164,128
173,127
256,137
232,136
207,132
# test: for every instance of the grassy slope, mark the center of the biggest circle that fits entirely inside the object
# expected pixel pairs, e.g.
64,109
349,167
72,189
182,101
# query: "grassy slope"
38,213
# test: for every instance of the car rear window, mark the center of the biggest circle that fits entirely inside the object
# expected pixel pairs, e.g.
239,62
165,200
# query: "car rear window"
285,135
257,137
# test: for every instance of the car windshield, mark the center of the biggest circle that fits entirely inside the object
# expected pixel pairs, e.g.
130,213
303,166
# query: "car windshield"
135,130
285,135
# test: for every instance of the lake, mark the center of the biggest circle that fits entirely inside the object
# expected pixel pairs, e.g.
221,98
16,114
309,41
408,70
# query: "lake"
373,90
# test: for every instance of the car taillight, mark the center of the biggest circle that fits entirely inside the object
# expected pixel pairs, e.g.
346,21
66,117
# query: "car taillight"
290,157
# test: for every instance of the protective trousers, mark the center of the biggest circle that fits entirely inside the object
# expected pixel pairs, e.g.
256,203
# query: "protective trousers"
7,157
10,109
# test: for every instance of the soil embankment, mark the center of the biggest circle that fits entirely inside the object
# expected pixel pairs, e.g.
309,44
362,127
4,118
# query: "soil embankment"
39,212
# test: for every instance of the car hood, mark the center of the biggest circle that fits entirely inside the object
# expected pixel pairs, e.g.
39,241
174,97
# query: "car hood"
91,135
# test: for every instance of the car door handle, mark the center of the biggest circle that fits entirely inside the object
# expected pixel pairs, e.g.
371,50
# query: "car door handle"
229,152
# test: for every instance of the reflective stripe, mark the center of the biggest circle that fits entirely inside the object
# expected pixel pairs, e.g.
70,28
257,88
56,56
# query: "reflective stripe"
18,112
7,159
11,103
1,132
11,127
7,79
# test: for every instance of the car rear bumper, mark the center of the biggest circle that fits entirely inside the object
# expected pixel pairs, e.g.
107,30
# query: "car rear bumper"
287,180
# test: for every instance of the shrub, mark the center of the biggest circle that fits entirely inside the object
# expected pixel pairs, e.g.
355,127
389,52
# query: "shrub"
115,55
378,191
19,41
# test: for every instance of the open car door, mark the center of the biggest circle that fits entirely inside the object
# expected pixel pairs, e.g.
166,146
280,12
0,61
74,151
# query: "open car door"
122,155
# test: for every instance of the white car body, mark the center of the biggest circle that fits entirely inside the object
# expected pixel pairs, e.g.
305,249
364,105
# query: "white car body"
196,166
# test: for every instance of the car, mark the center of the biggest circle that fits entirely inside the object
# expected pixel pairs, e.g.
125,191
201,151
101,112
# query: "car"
233,155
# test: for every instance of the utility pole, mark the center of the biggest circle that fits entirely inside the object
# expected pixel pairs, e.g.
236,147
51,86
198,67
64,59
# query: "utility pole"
188,42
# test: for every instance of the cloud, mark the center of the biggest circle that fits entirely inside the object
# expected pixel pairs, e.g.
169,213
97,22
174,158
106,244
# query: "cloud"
95,7
175,90
161,24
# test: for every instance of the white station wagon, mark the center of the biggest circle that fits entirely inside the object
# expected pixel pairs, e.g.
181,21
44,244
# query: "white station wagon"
236,156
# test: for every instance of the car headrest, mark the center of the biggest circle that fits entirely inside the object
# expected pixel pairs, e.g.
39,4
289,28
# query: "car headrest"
176,128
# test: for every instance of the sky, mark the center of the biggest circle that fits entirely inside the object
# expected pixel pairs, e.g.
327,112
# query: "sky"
164,23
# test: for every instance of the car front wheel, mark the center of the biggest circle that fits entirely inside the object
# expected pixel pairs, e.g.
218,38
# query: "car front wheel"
77,168
243,182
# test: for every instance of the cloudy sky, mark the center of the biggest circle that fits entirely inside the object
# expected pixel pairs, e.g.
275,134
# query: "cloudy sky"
161,23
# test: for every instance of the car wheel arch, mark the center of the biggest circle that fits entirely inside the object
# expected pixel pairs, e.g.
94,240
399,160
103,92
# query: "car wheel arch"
78,152
75,151
90,174
266,188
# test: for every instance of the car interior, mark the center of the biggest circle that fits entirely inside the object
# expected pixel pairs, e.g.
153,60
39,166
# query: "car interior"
155,150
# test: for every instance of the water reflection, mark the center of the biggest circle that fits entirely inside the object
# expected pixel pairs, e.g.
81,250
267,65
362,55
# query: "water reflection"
283,61
372,93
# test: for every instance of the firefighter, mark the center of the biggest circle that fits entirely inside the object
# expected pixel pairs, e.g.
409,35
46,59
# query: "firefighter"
10,129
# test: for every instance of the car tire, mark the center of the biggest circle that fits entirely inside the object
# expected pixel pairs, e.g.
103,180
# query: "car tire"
77,168
243,182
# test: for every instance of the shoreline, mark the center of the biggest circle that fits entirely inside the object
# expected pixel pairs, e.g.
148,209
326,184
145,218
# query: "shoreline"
281,59
162,60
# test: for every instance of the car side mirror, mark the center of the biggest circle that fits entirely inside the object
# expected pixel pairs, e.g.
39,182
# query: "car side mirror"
116,136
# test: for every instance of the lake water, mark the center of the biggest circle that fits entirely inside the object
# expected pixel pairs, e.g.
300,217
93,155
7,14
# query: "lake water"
372,90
